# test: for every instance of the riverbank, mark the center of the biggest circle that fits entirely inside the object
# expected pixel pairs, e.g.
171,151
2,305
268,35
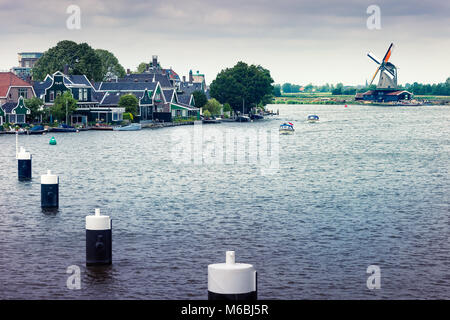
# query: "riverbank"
328,98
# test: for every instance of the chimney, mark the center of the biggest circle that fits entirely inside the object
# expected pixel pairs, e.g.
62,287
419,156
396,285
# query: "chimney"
66,69
155,62
128,71
184,78
147,66
191,78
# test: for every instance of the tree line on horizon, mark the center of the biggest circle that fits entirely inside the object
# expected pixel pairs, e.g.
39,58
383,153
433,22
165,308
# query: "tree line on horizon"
439,89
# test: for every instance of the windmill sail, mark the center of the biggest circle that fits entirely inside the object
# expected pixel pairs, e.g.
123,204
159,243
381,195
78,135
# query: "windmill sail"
388,72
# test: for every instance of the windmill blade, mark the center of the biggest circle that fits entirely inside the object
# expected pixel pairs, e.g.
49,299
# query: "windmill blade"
373,57
388,53
376,72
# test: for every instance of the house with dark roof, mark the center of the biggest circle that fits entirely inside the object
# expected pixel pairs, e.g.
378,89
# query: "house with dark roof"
14,112
181,108
384,95
88,99
163,79
152,102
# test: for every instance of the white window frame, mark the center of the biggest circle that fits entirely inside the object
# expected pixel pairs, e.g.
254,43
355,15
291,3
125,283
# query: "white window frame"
20,115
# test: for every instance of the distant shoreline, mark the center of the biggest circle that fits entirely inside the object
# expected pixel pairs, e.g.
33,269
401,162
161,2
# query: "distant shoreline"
328,99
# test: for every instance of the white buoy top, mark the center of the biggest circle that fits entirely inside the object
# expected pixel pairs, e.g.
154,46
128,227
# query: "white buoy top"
49,178
98,222
23,154
231,277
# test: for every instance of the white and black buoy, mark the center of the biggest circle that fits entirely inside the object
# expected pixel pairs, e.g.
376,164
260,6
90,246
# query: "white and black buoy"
49,190
98,239
24,164
231,280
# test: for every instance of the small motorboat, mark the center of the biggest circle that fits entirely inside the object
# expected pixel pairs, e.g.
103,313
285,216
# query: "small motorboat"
243,119
37,130
213,120
14,131
287,128
63,128
313,118
101,126
256,116
130,127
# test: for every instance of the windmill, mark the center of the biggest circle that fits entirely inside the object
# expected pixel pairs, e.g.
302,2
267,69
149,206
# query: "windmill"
388,71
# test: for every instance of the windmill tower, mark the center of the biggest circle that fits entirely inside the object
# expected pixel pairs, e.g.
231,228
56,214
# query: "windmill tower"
388,71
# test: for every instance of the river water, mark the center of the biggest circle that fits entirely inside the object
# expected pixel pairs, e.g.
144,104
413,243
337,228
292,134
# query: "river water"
364,186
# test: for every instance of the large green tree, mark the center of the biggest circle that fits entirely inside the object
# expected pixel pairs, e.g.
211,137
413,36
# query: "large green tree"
199,98
242,84
63,106
213,106
36,107
80,59
111,67
130,103
277,90
141,67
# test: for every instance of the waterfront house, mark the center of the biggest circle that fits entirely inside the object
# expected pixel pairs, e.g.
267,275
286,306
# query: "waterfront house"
12,87
88,99
14,112
152,102
181,109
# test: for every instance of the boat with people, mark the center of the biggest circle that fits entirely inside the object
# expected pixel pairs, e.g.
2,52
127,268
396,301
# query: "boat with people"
63,128
37,130
313,118
130,127
287,128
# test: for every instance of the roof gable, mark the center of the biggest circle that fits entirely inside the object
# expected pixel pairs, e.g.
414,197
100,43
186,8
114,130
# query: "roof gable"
9,79
20,108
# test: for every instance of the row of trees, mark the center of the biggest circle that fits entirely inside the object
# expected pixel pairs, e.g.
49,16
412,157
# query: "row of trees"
295,88
97,65
442,89
438,89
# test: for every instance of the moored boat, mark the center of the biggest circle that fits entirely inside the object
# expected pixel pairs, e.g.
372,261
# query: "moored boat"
287,128
242,119
37,130
14,131
63,128
101,126
256,117
130,127
213,120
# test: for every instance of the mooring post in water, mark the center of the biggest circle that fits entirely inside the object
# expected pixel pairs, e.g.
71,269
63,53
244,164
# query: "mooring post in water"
231,280
98,239
17,143
49,190
24,164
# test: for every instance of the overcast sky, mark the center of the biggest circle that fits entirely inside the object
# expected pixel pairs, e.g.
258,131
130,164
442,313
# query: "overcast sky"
299,41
